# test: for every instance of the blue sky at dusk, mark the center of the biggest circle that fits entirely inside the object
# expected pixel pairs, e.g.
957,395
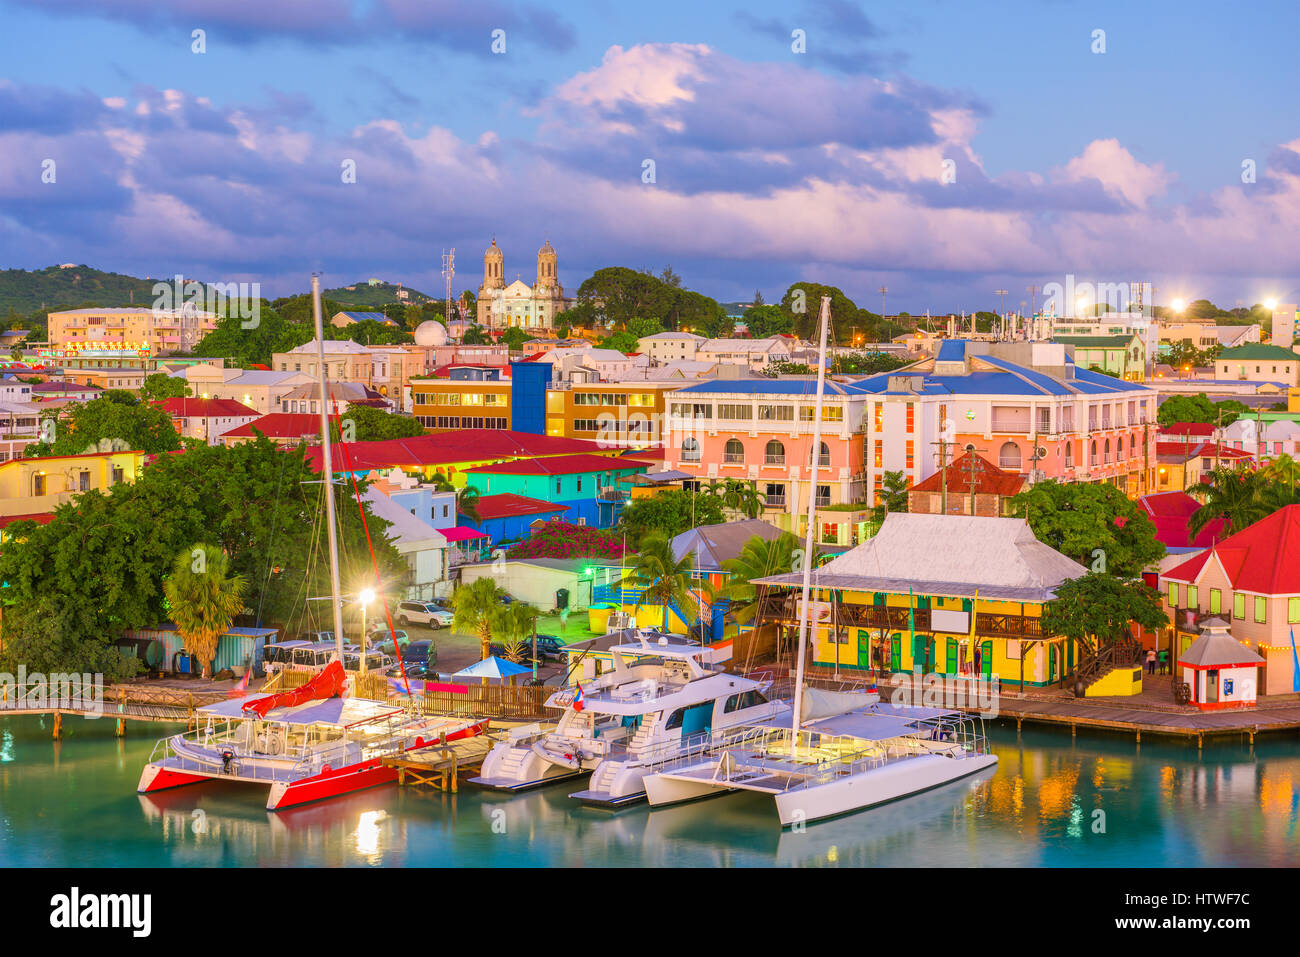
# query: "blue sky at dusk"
770,166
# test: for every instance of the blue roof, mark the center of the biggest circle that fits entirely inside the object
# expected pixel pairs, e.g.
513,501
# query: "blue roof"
952,350
770,387
1012,380
369,317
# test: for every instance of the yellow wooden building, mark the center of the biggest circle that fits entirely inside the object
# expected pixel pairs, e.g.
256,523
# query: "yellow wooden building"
949,594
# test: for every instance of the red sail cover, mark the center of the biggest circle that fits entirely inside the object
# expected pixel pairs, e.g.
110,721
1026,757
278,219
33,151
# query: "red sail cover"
327,684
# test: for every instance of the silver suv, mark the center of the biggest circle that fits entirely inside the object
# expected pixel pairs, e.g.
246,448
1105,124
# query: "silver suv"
425,613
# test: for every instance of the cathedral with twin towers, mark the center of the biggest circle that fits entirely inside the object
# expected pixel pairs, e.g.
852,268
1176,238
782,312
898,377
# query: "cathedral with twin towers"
519,304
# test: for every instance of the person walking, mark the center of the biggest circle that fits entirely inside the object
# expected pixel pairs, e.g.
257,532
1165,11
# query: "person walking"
1151,661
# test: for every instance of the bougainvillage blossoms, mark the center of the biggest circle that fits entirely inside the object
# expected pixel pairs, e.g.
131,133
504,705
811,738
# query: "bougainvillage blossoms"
558,539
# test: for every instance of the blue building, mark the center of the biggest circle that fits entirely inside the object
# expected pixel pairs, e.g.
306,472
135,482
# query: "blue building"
586,485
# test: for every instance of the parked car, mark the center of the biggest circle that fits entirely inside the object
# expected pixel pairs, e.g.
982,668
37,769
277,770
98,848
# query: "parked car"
380,636
314,637
427,613
419,657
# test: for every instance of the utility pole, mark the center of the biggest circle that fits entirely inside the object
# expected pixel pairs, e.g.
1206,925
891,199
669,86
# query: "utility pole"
970,463
943,472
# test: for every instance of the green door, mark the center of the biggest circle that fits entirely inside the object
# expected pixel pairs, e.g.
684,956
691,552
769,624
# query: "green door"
864,649
920,656
1069,657
951,666
896,653
1051,664
986,659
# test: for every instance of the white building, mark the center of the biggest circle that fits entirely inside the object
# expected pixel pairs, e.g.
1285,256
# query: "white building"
755,354
665,347
518,304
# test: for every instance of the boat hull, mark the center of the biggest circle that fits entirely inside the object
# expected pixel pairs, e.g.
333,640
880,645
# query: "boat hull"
855,792
157,777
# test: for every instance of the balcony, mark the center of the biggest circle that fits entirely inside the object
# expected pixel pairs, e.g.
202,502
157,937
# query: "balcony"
774,460
774,501
733,458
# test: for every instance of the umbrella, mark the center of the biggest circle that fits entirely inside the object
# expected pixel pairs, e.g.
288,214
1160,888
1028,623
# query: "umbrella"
492,667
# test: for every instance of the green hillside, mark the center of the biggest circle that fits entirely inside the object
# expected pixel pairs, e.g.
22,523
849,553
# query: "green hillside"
362,295
57,288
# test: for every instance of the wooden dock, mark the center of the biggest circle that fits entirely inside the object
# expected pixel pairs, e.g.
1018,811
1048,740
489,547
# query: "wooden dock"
440,767
1189,726
122,703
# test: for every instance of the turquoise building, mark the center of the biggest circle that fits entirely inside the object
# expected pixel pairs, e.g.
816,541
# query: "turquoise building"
586,484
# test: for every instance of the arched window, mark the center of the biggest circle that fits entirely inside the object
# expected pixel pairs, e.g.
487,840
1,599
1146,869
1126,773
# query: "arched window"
1092,459
734,452
774,454
1069,454
690,450
1009,456
825,458
1105,454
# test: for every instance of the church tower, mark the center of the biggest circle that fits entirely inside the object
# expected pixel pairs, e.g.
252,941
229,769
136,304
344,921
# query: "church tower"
494,270
548,283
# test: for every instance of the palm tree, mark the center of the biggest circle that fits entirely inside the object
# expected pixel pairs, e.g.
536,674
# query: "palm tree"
204,599
893,495
467,503
759,558
513,623
664,578
1240,496
747,499
476,608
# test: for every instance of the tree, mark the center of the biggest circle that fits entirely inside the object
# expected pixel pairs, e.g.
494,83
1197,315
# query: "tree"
368,424
1099,609
475,608
764,321
50,636
160,385
739,497
204,599
138,426
665,579
802,303
642,326
474,336
513,624
620,341
557,539
893,495
1198,408
672,512
867,363
514,338
759,558
1242,497
1096,525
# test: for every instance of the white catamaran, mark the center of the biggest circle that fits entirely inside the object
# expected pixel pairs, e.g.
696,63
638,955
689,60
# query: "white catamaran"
833,755
664,699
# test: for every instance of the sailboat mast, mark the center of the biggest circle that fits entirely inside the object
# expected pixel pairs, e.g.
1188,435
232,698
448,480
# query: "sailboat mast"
823,321
327,470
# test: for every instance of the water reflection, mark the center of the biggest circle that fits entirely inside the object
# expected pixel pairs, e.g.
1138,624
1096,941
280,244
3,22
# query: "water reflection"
1050,801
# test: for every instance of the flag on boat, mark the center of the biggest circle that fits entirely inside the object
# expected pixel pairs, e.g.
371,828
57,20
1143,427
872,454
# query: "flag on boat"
577,699
241,689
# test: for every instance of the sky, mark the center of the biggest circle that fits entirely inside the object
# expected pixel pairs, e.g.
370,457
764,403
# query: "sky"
944,149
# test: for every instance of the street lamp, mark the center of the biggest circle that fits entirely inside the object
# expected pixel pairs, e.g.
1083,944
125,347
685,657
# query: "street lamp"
1270,304
1177,305
366,596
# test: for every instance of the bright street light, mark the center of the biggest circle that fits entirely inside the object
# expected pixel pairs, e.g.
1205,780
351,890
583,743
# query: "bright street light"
367,596
1177,305
1270,304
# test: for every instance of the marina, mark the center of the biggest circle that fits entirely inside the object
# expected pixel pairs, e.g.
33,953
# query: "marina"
1164,804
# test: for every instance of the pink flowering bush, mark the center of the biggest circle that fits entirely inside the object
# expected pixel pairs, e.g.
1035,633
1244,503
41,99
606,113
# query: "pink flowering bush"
561,540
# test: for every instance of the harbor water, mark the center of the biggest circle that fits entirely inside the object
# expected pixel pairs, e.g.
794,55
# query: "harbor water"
1051,801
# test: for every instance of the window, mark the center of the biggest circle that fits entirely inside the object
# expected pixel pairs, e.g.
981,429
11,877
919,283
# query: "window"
774,497
911,417
1261,607
746,699
557,486
734,452
776,413
1192,596
578,480
690,450
83,481
1238,605
1009,456
832,413
824,496
1293,610
774,454
910,462
879,454
824,458
1173,595
1216,601
742,412
879,416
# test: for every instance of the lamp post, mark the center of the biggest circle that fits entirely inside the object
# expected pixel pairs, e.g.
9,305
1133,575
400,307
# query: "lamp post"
366,597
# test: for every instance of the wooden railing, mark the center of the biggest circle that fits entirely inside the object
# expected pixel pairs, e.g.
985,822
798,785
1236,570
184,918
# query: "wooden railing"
1008,626
476,701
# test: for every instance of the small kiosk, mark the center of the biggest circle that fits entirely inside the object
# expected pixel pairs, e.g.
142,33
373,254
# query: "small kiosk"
1221,671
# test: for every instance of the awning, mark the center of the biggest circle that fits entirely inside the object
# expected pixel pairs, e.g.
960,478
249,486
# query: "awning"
462,533
492,667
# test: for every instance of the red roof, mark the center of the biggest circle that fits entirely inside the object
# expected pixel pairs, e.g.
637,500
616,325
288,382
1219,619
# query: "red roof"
1170,511
561,465
1263,558
447,448
1182,451
1195,429
462,533
206,408
510,505
279,425
43,518
989,479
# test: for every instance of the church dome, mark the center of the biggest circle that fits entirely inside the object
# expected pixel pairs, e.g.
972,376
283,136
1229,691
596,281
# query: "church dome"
547,249
494,251
431,332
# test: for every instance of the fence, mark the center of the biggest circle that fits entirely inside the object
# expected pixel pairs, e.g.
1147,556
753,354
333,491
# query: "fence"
524,702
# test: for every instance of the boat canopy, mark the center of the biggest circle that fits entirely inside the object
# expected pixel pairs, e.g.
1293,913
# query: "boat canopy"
332,711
